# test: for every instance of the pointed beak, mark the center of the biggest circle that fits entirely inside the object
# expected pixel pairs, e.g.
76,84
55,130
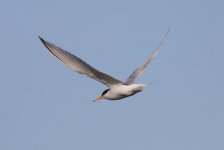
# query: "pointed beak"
98,98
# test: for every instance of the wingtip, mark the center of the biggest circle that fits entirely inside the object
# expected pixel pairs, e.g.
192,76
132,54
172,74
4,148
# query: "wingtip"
41,39
168,31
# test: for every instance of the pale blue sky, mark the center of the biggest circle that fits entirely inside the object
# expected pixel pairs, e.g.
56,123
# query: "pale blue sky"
45,105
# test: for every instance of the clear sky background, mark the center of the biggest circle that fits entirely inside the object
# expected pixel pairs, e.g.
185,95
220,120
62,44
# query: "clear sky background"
44,105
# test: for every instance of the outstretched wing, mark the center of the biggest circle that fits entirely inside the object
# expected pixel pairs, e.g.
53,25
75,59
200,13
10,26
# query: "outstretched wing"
139,71
79,65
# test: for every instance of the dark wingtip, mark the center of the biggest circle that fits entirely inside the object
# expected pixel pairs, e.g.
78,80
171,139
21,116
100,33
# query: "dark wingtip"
42,40
168,31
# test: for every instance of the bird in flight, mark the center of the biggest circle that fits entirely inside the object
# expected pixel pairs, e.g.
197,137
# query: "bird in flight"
116,89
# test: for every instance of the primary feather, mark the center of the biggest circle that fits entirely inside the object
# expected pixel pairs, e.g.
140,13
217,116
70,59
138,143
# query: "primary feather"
139,71
79,65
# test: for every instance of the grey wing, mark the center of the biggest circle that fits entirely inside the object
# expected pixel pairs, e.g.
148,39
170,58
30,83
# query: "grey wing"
79,65
139,71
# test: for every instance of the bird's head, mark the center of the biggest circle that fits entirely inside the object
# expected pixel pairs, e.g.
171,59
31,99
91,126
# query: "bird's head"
102,96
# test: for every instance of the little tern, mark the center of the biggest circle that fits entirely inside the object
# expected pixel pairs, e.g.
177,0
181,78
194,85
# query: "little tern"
116,89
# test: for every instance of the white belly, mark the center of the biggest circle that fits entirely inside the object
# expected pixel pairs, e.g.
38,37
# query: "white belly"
122,91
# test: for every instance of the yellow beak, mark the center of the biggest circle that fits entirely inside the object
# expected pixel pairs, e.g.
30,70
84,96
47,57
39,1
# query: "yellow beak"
98,98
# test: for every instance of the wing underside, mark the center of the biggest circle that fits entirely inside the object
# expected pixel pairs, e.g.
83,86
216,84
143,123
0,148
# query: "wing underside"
140,70
79,65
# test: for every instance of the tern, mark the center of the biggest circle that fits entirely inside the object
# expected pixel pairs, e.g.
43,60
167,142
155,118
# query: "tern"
116,89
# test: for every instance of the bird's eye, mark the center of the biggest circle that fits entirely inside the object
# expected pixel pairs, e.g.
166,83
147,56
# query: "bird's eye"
104,92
